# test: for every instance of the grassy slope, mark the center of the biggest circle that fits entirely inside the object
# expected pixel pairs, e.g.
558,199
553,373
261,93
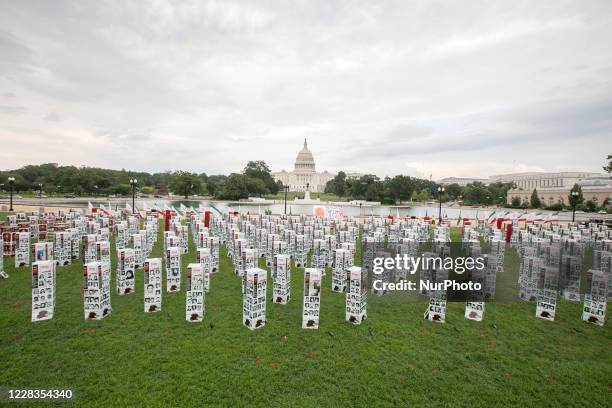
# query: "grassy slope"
394,358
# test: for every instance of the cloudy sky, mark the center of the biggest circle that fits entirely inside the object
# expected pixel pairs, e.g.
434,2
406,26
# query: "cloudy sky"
465,89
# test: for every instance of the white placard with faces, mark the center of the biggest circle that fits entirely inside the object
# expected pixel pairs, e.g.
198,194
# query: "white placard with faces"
356,295
173,269
43,290
312,298
126,282
96,290
281,279
22,251
194,305
254,298
152,285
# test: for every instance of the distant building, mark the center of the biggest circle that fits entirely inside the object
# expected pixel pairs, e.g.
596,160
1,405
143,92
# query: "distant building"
304,176
554,188
531,180
462,181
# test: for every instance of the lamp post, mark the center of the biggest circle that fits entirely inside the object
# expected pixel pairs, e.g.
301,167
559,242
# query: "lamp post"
440,191
575,196
11,181
133,183
286,188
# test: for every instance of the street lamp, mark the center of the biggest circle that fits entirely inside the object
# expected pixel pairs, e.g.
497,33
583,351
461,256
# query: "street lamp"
286,188
440,191
11,181
133,183
575,196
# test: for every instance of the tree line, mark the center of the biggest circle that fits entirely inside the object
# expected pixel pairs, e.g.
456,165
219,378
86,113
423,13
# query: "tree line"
51,179
256,180
400,189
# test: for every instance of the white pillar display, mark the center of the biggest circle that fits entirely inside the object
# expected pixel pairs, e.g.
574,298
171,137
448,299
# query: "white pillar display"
213,245
330,246
43,251
139,255
571,269
356,295
349,246
43,290
341,264
96,290
22,251
103,234
89,248
270,238
204,257
436,309
184,236
239,245
595,302
475,305
173,269
63,248
121,235
312,298
319,254
546,294
300,251
152,285
202,239
75,243
254,299
194,305
247,261
3,274
144,243
103,253
261,235
126,281
281,279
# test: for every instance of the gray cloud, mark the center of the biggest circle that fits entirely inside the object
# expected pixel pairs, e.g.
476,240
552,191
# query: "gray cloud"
465,89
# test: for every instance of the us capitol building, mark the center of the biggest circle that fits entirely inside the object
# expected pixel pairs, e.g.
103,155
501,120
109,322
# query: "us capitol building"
304,176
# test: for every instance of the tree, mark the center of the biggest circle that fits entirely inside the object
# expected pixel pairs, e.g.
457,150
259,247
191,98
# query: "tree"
337,185
399,188
259,170
453,190
516,202
476,193
424,195
575,200
535,199
591,206
234,187
608,168
214,183
186,183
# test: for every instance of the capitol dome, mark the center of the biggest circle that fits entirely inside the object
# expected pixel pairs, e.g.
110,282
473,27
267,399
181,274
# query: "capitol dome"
304,177
304,162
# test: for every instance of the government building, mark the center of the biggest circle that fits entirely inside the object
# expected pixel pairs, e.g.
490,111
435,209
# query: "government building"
304,176
554,188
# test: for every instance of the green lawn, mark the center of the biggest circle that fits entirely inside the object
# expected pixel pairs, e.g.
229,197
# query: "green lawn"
394,359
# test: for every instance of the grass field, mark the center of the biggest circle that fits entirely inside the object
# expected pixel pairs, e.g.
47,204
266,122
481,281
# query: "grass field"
394,359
